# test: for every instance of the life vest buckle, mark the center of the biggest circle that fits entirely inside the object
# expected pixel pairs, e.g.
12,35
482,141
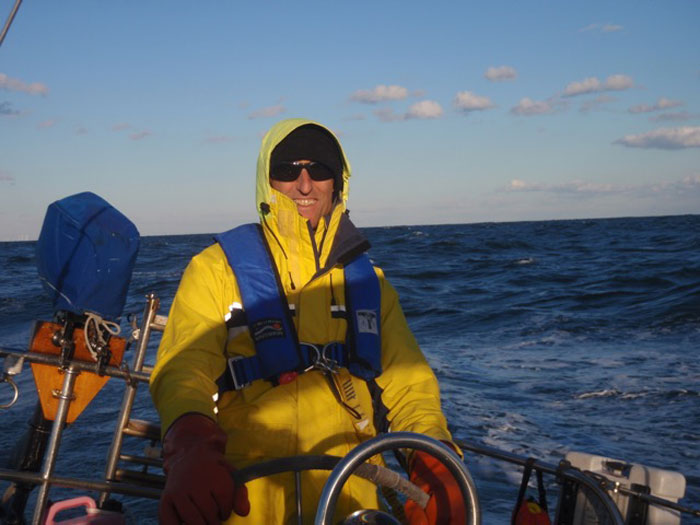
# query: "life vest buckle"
237,385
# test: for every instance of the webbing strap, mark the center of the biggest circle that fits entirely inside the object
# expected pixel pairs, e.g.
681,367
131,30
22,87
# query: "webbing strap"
542,495
523,487
244,370
362,295
264,302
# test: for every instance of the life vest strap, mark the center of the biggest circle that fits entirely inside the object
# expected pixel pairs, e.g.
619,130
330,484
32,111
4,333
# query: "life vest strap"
242,371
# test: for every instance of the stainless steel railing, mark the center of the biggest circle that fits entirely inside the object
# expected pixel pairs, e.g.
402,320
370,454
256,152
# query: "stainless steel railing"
133,376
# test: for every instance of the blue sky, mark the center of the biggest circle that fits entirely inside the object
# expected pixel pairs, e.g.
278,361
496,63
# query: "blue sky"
450,112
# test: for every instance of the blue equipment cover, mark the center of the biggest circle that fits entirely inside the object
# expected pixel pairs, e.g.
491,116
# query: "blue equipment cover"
85,255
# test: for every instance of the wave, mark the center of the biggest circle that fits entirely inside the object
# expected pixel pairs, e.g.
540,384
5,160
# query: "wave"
633,395
19,260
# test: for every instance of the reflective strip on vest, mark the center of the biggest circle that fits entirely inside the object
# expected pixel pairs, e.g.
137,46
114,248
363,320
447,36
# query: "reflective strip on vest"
269,321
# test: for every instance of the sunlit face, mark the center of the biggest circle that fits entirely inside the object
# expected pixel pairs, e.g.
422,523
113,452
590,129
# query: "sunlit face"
314,198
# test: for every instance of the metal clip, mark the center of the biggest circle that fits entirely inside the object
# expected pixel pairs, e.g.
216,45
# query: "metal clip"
135,330
7,378
330,364
313,361
12,366
321,362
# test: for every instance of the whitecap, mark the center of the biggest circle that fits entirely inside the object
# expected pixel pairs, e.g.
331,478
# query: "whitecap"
608,392
634,395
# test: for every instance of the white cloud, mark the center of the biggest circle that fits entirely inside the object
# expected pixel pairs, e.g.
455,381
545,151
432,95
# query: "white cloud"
611,28
588,85
270,111
380,93
500,73
467,101
14,84
529,107
565,187
680,116
662,103
593,85
583,188
121,126
140,135
46,124
665,103
692,181
425,109
517,185
618,83
664,138
603,28
6,177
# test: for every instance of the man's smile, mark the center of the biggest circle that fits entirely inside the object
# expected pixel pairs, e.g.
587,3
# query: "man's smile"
304,203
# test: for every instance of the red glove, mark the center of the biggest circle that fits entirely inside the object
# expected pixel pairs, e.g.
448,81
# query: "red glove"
446,504
198,484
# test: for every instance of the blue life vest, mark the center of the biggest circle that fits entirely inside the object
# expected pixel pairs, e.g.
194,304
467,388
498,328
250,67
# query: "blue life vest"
278,350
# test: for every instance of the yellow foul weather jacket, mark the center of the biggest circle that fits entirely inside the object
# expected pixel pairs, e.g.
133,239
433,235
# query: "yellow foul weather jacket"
304,416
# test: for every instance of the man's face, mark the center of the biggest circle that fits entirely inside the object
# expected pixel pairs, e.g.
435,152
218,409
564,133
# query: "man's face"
314,198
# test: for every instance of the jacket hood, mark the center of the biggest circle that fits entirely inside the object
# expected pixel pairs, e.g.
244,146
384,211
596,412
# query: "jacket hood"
263,191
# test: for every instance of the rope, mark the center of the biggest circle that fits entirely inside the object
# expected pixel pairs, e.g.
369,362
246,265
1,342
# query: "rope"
529,463
99,324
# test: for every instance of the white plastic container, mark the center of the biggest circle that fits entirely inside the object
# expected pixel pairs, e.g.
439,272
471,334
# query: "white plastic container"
664,484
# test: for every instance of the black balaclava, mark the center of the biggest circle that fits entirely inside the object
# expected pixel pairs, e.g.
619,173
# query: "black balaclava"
311,142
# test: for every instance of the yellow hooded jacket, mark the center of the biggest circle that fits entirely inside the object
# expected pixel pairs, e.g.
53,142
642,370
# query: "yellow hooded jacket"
304,416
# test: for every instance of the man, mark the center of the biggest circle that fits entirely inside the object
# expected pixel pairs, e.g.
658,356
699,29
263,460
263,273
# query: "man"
303,344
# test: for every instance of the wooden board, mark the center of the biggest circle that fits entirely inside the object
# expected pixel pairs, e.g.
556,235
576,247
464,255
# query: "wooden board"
49,378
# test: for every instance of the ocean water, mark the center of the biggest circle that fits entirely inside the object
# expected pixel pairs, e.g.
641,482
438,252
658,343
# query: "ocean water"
545,336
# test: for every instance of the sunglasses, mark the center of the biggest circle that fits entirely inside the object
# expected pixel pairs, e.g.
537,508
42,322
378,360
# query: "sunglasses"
290,171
